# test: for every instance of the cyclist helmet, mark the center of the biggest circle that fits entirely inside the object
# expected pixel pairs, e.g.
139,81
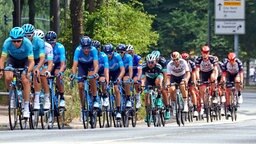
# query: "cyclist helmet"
28,28
231,56
96,44
205,49
85,41
156,53
185,56
151,57
129,47
108,48
50,36
121,47
17,33
175,55
39,33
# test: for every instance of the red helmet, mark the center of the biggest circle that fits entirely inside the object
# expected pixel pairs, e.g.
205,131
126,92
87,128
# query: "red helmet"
231,56
205,49
185,56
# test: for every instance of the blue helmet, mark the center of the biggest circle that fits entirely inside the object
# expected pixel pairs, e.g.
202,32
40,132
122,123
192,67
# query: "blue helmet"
121,47
50,36
96,44
108,48
17,33
85,41
28,28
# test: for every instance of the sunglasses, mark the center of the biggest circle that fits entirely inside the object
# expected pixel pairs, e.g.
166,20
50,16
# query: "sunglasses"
86,47
109,53
150,62
175,59
29,35
16,41
51,41
120,52
205,52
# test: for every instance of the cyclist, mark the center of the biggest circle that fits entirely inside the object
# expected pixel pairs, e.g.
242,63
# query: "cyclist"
233,72
151,75
137,72
162,61
116,72
178,72
59,61
191,81
39,57
103,71
18,51
206,69
128,65
48,64
86,61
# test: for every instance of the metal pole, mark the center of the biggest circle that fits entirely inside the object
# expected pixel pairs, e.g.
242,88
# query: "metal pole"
18,16
236,44
209,24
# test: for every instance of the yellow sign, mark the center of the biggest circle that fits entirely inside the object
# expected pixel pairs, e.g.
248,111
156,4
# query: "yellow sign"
233,3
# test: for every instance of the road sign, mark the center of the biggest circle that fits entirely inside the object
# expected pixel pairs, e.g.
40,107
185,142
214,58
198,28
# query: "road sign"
229,9
229,27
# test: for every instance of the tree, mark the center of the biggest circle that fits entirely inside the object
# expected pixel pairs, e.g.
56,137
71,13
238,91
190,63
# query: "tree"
117,23
55,15
31,4
76,14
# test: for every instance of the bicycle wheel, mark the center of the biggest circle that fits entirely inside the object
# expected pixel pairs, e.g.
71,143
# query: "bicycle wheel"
162,117
232,113
178,112
23,121
12,111
125,118
34,118
149,116
85,118
61,118
134,118
51,118
102,117
93,118
44,119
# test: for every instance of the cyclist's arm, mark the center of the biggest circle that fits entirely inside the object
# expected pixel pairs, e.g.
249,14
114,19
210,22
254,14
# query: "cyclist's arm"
139,72
41,53
106,74
62,58
197,73
122,72
75,61
95,61
2,61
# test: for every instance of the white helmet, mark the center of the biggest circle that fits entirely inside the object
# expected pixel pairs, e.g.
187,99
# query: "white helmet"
129,47
156,53
39,33
151,57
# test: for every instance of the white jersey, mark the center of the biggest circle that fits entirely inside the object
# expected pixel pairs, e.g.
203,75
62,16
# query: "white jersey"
48,52
179,70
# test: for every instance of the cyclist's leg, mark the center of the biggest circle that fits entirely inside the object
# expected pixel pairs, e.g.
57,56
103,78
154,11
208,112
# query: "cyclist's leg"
137,91
8,75
45,86
238,88
127,89
113,77
93,88
37,87
60,84
213,79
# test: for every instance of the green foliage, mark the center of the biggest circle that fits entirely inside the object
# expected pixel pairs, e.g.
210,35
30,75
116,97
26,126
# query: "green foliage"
117,23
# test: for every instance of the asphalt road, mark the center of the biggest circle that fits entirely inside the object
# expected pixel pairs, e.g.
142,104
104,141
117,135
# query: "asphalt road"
224,131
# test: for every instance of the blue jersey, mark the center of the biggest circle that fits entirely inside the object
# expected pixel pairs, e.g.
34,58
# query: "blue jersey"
136,63
59,54
38,47
127,60
24,51
85,59
103,61
115,62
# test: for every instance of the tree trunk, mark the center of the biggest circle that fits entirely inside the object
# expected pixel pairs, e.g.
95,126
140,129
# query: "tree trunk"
91,6
99,4
55,15
76,14
17,11
31,4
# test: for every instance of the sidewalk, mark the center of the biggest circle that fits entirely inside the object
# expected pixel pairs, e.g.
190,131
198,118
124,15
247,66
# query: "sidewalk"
4,119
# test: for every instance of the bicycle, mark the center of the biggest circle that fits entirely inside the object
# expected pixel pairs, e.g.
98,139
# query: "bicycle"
54,111
233,101
15,107
129,113
179,105
155,111
89,112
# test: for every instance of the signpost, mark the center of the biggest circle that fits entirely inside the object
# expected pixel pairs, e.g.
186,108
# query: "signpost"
230,19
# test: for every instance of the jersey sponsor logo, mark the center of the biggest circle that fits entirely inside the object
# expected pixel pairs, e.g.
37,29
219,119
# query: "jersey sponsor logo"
206,66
